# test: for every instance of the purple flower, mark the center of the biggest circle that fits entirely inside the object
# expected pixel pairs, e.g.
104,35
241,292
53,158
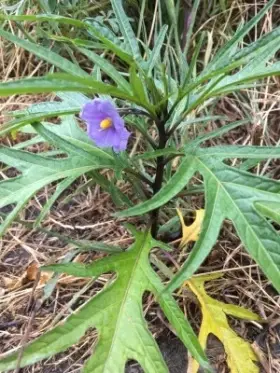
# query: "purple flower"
104,125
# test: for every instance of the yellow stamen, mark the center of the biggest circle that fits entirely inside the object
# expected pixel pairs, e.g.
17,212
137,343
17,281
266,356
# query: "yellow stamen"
106,123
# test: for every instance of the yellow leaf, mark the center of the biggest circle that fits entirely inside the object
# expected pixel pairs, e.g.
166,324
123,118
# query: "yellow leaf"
241,357
191,232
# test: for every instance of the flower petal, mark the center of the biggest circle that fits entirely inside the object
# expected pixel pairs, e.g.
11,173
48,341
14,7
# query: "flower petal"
105,138
118,122
122,141
106,107
90,112
116,136
92,127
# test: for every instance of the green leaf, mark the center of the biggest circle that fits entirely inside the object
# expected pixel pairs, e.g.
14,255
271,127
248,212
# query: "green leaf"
108,68
248,53
269,209
116,312
100,31
38,171
67,83
111,42
256,67
240,151
154,58
226,50
126,29
190,28
79,145
137,85
61,82
44,17
45,54
193,62
70,101
220,131
58,110
230,194
171,9
77,42
243,79
61,187
167,192
159,153
227,59
205,120
105,88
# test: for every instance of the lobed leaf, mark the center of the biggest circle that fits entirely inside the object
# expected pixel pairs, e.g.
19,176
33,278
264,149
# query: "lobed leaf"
116,313
230,194
38,171
240,355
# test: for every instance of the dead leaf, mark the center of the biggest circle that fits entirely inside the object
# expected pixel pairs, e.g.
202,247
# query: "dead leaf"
32,272
29,275
241,357
191,232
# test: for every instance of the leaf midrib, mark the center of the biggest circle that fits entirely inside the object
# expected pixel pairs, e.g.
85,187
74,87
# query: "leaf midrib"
124,301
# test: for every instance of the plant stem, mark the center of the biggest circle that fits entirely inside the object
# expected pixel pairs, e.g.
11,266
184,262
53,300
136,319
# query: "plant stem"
159,175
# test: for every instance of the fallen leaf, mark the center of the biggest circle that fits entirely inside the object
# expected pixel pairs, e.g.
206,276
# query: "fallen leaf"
29,275
191,232
32,272
241,357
